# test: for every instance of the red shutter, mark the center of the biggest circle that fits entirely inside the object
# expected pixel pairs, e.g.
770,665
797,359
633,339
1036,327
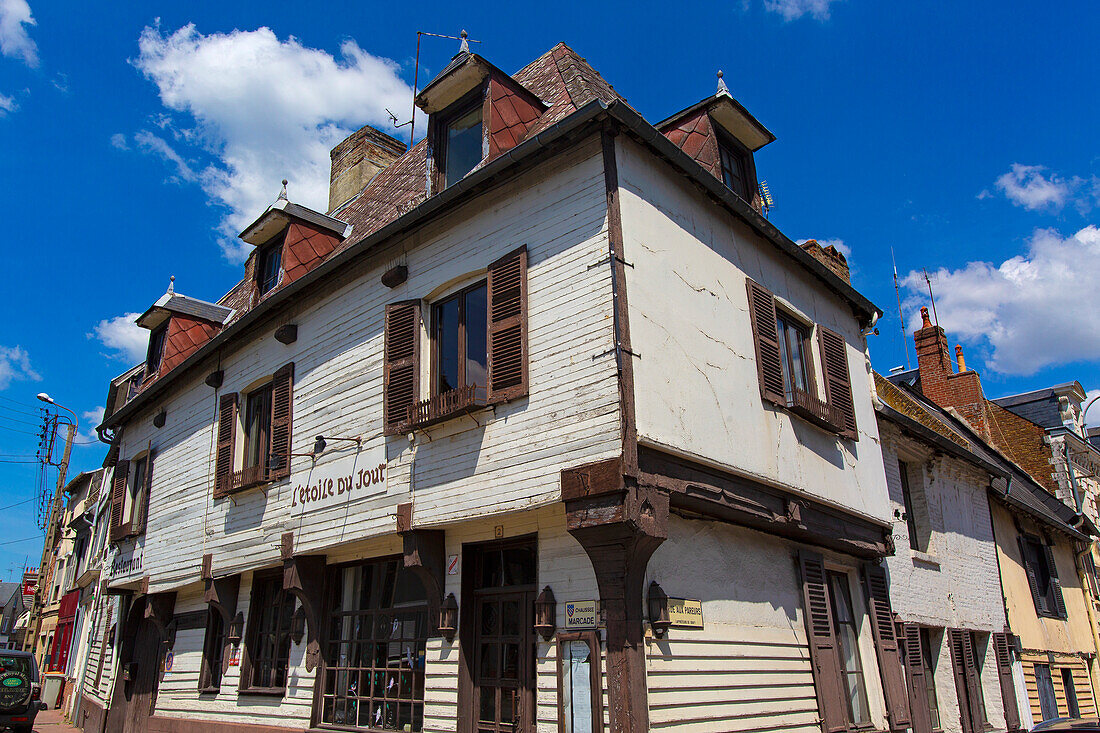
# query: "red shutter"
227,429
282,415
820,634
957,645
915,678
886,646
1055,584
118,498
1004,675
401,369
507,296
838,383
141,515
769,362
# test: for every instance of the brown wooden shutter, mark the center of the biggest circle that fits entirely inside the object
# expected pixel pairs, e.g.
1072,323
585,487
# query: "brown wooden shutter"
1032,578
141,511
401,370
507,306
958,643
1055,584
915,678
1004,675
886,646
282,418
227,430
973,681
838,382
824,654
769,362
118,497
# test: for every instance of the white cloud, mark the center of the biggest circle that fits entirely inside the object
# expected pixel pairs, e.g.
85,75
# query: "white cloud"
89,419
1027,186
127,341
261,109
15,365
1031,311
118,140
7,104
1093,418
794,9
150,143
14,41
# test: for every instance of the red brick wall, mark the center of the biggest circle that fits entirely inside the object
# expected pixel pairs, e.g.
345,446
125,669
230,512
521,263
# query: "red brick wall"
512,111
185,335
303,249
1022,441
695,136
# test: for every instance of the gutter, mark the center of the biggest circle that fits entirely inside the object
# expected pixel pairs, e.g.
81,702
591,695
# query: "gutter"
485,177
942,442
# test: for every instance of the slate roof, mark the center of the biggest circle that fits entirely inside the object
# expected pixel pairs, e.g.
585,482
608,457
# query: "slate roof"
7,590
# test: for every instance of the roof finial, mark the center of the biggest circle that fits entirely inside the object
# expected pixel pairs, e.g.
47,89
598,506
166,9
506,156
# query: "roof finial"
282,194
722,88
464,45
171,284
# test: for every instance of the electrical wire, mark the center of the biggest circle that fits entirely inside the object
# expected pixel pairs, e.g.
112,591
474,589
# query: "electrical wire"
18,503
25,539
24,422
40,412
17,402
17,430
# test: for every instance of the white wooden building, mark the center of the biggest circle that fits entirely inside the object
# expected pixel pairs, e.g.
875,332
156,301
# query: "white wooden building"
546,427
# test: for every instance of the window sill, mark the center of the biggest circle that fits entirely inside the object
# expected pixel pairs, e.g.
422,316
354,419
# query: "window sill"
925,558
209,690
442,407
264,691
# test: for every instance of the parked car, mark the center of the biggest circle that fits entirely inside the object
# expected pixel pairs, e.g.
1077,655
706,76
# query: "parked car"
1078,725
20,691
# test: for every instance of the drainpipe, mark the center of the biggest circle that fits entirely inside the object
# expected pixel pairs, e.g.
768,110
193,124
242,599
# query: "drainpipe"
1086,589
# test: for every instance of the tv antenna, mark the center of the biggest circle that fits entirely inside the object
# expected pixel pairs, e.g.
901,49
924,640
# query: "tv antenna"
935,316
901,318
464,45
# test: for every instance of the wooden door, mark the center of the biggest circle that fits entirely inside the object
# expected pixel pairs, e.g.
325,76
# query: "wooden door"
145,676
504,665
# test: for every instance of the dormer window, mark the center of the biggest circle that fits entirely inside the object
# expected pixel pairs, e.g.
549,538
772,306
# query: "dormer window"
461,141
269,262
156,348
735,166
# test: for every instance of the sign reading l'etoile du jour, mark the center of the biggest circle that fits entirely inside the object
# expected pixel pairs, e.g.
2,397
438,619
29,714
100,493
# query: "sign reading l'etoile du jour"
358,474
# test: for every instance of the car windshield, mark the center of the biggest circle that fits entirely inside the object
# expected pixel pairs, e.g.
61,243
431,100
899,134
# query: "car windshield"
15,664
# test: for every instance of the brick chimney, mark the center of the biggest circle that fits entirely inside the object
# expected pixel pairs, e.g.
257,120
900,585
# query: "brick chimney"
829,256
358,159
940,382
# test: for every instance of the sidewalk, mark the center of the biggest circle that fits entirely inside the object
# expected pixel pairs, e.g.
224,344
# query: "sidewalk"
51,721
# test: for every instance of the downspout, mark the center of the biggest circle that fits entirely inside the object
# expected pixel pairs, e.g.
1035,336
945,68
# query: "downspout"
1086,589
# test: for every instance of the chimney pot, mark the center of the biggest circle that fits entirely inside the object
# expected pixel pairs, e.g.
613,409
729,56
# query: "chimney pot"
959,358
925,321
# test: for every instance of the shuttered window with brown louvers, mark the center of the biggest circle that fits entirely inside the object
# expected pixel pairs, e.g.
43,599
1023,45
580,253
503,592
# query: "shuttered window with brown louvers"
141,511
838,382
916,682
886,646
1058,602
118,498
824,654
507,295
968,684
769,361
401,370
103,646
227,429
282,418
1004,675
956,646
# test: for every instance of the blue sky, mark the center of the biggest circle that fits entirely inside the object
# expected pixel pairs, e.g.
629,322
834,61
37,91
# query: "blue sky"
137,139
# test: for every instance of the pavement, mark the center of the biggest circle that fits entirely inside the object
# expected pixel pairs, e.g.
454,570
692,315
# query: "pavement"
52,721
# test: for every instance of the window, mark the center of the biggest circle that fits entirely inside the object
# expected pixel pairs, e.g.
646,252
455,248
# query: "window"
257,427
847,635
213,649
136,482
916,508
461,141
735,166
1042,577
929,664
1073,710
268,264
130,496
374,673
156,349
459,340
794,342
267,645
1048,703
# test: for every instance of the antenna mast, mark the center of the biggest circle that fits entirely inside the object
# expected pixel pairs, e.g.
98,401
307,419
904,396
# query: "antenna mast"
901,318
931,297
464,46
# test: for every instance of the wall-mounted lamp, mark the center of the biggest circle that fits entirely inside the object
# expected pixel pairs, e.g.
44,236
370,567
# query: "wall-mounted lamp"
321,443
298,625
448,617
546,610
658,610
236,629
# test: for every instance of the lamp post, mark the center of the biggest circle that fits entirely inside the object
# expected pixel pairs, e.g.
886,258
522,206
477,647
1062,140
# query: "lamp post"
54,516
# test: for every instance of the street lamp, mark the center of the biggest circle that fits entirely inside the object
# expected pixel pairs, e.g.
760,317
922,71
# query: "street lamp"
46,398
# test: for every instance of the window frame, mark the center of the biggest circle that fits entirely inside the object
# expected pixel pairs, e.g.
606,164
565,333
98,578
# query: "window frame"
1069,690
1035,557
264,255
435,341
260,602
928,661
741,156
786,321
154,353
333,611
264,391
215,639
843,576
441,123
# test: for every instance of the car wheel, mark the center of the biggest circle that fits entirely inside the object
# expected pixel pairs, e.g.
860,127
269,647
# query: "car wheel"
22,729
